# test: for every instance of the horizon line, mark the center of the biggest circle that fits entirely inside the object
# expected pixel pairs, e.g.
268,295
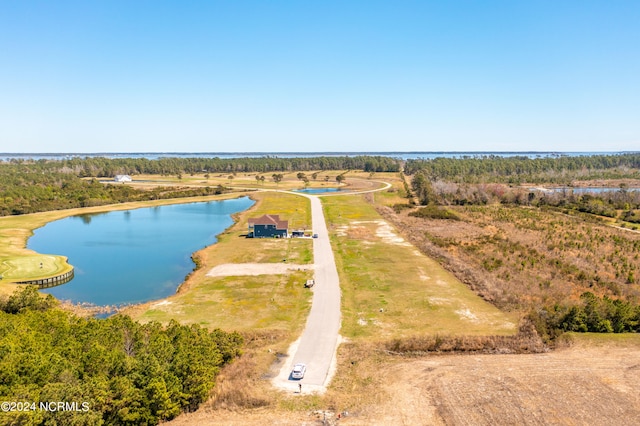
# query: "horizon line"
314,152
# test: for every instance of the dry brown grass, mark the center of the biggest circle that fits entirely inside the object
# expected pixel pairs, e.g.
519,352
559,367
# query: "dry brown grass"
526,341
519,257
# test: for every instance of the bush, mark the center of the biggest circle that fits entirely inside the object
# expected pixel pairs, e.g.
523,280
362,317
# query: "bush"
435,212
27,298
400,207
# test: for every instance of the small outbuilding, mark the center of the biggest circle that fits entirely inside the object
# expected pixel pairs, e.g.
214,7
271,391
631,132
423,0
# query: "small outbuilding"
122,178
267,226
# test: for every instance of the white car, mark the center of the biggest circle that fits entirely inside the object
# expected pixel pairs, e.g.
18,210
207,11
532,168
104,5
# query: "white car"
298,371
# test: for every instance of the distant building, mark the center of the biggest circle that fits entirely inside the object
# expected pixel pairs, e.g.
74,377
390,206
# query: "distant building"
122,178
267,226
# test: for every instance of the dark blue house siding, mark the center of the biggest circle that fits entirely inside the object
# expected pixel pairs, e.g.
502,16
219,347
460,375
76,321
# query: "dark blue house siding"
266,231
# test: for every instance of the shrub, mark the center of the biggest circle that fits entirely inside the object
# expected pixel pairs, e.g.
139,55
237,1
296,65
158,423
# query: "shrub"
435,212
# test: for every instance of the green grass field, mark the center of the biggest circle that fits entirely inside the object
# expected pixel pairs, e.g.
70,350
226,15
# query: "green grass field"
391,290
29,267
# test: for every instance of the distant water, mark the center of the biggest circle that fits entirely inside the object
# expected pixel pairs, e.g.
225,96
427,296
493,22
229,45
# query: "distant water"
136,255
316,190
393,154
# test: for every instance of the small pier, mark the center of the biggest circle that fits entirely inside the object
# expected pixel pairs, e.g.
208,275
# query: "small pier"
51,281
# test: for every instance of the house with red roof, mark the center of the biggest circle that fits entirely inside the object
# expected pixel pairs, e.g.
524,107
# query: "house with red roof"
268,226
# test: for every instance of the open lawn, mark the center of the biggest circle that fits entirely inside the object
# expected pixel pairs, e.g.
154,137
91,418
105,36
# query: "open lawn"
263,302
392,290
29,267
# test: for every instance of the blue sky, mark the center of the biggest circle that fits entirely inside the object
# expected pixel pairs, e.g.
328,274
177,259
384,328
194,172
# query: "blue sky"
274,76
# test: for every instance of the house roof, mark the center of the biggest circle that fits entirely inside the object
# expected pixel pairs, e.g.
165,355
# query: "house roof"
269,219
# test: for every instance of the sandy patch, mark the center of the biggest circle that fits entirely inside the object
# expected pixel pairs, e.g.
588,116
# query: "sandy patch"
439,301
467,314
359,229
423,276
241,269
163,303
388,235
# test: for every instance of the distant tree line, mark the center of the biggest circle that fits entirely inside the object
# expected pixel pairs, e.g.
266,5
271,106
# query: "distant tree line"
105,167
25,190
33,186
519,169
127,373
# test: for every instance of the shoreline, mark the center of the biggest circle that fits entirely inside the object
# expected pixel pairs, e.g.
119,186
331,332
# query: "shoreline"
20,228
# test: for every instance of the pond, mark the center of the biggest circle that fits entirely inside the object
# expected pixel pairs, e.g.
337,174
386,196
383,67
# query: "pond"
133,256
317,190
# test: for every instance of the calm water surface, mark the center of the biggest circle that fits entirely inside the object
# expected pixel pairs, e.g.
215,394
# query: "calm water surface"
317,190
133,256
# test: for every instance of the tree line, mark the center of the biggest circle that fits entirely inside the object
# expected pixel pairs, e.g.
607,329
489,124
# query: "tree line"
127,373
592,314
24,190
106,167
34,186
519,169
605,203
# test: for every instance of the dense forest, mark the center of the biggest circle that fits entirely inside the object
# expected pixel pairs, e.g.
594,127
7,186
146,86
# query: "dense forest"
112,371
519,169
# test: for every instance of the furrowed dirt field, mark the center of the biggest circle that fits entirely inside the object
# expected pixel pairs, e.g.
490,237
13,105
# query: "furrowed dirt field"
575,386
585,384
